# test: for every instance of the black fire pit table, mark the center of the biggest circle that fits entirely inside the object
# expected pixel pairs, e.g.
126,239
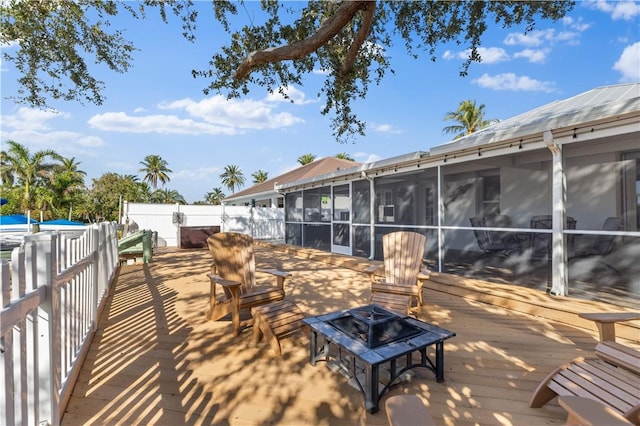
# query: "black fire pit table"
375,336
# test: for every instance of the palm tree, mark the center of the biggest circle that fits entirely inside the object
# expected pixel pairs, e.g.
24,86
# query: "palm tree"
18,165
167,196
259,176
214,197
144,191
67,184
70,165
155,169
232,178
306,159
470,117
344,156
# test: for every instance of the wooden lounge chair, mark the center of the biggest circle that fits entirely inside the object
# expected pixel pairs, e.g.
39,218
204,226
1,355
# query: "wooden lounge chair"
403,276
612,379
407,410
587,412
234,270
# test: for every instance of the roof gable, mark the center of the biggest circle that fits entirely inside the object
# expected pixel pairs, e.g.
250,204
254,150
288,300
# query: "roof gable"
319,167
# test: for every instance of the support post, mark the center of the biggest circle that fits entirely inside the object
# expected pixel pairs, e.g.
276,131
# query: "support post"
558,254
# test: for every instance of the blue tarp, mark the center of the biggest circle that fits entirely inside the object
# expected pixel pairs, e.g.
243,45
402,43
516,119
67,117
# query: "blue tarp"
3,201
62,222
15,219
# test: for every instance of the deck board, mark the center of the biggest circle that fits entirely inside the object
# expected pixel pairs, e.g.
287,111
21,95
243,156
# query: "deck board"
155,359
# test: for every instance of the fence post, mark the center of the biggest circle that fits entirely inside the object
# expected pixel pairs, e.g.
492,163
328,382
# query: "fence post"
95,269
44,266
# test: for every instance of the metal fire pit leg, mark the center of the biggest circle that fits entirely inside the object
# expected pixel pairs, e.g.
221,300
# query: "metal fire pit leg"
313,342
371,396
440,362
314,355
392,371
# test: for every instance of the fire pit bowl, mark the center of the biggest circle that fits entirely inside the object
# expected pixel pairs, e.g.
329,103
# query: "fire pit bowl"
374,326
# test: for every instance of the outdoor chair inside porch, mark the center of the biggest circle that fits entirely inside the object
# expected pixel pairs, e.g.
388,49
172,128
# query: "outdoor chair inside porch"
403,272
234,271
493,243
541,243
598,246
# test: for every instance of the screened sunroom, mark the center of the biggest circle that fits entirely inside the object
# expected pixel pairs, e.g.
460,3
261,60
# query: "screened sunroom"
547,199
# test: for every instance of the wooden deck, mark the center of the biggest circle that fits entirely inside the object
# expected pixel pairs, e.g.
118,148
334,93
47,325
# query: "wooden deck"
156,359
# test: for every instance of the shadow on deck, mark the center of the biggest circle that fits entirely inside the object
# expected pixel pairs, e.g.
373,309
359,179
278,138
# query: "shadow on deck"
156,359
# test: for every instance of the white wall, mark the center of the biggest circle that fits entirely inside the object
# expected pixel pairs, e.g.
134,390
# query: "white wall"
524,192
260,222
593,189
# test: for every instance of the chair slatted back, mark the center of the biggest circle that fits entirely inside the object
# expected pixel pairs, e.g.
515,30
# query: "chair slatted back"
403,253
482,236
603,244
234,259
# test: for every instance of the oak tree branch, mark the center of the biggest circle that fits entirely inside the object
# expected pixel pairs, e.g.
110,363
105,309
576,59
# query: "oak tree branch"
329,28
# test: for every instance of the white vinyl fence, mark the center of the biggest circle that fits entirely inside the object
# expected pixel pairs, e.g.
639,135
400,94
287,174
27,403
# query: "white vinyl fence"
52,293
266,223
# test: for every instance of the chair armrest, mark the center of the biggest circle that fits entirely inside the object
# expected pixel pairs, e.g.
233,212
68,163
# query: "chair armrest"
225,283
605,322
280,275
373,273
423,276
373,269
275,272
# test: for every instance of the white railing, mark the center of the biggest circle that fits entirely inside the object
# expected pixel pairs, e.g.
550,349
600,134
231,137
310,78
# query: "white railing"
52,294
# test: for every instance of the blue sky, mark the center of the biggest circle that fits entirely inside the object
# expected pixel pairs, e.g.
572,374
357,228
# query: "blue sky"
159,108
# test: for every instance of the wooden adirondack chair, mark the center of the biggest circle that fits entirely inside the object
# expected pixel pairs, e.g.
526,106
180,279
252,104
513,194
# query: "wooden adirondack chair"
403,275
234,270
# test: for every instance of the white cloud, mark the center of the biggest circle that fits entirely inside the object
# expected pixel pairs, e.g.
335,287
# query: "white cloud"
123,166
199,174
532,55
297,96
577,25
489,55
66,143
210,116
492,55
540,37
510,81
158,123
364,157
234,114
30,119
33,129
625,10
532,39
629,63
449,55
384,128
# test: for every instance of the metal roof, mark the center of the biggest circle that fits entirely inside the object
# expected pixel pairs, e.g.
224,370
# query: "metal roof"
596,104
602,103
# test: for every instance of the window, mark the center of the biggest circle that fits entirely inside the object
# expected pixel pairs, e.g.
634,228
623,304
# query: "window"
631,190
490,195
429,205
293,212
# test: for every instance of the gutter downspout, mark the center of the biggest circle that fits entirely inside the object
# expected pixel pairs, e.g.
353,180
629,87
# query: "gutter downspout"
278,190
558,253
372,217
